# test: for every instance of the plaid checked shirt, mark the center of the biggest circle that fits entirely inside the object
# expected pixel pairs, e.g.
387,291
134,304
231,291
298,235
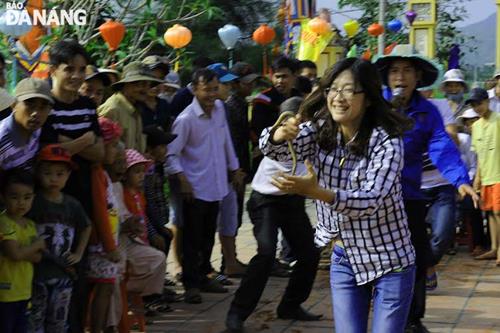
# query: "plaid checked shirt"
368,212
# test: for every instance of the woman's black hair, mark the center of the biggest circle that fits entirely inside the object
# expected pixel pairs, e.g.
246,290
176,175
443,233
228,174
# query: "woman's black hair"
378,111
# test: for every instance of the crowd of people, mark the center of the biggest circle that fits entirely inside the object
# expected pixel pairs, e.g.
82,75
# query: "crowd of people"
103,172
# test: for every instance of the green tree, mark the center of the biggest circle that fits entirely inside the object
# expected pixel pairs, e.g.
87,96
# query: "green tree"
449,13
394,9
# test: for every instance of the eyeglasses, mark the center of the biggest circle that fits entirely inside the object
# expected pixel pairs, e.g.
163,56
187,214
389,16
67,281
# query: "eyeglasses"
346,92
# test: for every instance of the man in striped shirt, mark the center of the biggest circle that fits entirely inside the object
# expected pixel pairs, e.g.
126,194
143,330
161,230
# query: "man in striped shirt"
20,132
73,124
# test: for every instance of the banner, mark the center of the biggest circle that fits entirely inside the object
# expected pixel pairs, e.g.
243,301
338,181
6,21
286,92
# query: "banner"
312,44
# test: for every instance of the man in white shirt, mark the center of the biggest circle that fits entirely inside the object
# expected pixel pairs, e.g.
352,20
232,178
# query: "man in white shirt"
202,157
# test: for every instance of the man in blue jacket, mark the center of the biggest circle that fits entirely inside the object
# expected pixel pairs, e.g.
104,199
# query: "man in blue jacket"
403,71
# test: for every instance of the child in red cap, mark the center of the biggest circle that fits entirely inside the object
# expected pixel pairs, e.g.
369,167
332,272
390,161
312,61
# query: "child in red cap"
61,220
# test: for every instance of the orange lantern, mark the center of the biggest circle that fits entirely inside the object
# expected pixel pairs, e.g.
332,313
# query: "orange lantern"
178,36
375,29
319,26
112,32
263,35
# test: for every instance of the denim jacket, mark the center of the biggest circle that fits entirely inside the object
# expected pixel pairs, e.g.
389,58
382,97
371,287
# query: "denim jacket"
428,135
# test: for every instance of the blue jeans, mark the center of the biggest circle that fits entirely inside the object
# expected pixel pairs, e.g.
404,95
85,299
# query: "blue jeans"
441,216
391,293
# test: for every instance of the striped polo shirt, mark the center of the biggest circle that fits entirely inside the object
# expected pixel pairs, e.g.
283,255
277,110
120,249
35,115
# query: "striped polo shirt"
15,152
72,121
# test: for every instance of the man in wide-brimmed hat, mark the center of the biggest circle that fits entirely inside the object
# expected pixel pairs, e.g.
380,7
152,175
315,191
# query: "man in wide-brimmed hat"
403,71
120,107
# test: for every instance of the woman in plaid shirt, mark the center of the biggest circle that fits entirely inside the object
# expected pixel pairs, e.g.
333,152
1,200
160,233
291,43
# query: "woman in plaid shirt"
354,142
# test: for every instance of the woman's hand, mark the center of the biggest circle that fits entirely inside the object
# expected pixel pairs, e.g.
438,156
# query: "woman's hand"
288,130
306,185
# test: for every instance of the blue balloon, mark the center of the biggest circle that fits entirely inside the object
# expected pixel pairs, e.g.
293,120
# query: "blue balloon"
394,25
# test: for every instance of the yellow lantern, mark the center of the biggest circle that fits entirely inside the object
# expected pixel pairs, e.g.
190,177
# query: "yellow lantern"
178,36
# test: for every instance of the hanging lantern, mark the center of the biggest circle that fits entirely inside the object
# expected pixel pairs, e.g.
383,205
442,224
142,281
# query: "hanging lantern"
229,35
112,32
375,30
394,25
410,16
319,26
351,28
388,49
13,30
353,52
178,36
367,55
263,35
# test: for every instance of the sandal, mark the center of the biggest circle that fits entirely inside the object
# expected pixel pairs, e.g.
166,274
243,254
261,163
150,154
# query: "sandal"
222,279
431,282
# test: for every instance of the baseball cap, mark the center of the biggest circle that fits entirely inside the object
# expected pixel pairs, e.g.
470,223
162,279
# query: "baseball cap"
33,88
155,136
56,153
245,71
469,114
222,72
477,95
92,72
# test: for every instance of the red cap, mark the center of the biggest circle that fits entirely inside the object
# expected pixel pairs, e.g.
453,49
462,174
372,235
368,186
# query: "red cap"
56,153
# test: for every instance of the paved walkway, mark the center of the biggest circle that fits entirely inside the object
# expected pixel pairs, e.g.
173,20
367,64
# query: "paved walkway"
467,300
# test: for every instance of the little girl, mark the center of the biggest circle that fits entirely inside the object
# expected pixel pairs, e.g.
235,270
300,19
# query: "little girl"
103,248
148,264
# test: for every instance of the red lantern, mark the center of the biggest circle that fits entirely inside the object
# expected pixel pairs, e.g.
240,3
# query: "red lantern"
112,32
319,26
375,29
263,35
178,36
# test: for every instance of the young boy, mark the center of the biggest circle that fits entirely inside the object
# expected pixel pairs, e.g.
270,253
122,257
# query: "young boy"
62,222
154,188
20,132
486,144
19,249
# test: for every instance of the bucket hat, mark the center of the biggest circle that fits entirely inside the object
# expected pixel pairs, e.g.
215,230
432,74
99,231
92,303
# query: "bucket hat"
454,75
134,72
92,72
430,70
134,157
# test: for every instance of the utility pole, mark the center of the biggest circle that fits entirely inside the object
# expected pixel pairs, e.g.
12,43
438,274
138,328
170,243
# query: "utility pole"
381,21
